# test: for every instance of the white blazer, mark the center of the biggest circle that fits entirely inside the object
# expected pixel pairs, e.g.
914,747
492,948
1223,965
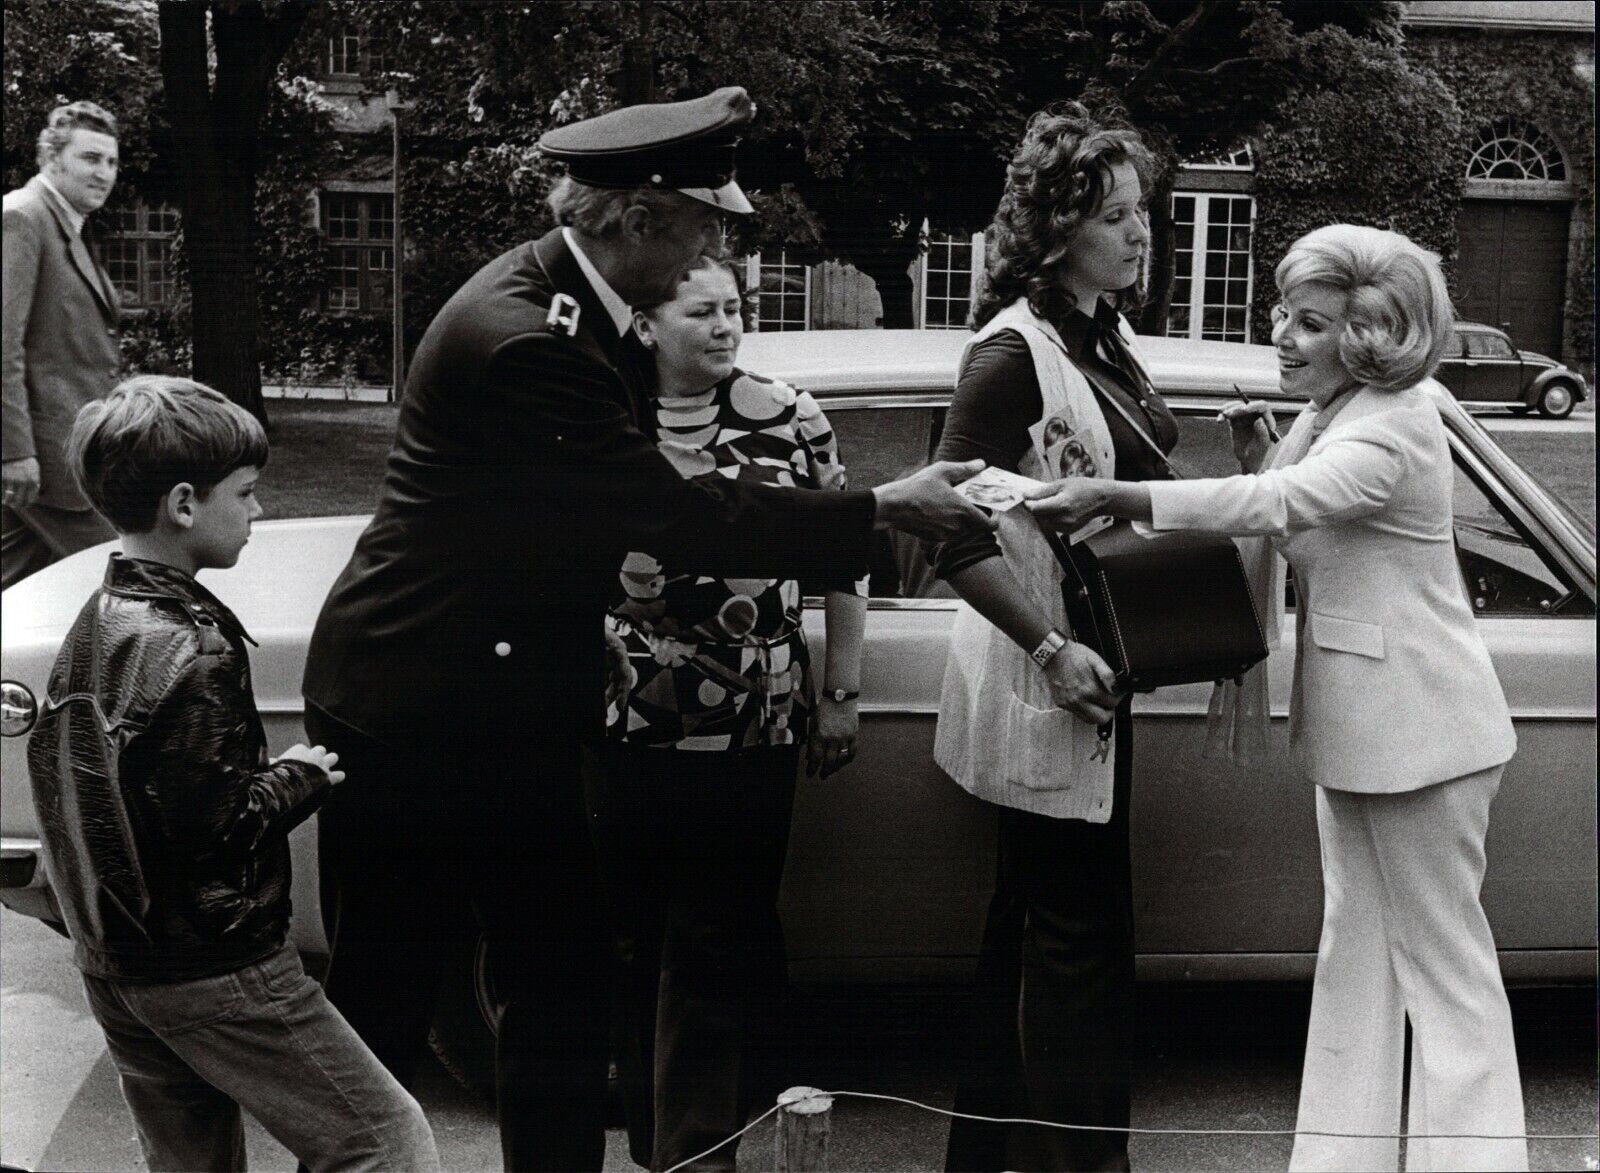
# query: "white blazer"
1393,687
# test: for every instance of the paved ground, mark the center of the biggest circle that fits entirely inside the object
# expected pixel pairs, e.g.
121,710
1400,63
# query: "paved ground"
1209,1058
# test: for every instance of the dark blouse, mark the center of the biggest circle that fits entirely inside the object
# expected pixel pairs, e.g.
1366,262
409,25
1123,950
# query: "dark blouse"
997,399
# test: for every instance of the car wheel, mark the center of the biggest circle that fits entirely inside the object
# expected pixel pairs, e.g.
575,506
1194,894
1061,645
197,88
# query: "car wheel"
1557,400
464,1025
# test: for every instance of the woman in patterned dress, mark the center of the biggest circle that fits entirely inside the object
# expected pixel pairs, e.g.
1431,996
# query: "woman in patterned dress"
691,806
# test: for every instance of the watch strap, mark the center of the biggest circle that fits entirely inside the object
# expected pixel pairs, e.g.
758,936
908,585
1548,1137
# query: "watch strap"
841,694
1052,643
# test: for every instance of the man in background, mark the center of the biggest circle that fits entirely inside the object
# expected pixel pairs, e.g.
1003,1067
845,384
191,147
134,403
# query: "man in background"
60,340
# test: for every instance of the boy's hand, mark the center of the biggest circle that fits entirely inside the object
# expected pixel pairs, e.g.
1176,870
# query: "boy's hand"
319,756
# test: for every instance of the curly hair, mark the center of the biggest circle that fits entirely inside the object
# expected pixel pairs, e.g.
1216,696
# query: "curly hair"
1060,173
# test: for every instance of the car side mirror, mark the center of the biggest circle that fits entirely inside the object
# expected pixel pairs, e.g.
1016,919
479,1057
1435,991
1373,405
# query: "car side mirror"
18,709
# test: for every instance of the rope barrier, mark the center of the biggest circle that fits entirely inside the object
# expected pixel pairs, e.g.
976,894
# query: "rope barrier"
1224,1131
1155,1131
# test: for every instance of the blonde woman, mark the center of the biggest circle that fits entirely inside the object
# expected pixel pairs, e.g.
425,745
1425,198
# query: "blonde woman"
1398,717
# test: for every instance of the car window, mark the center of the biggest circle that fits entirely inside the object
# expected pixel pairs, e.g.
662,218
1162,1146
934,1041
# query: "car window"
1505,573
1488,346
879,444
1205,449
1458,345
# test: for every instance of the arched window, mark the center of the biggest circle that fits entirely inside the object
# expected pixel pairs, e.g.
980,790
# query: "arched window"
1509,149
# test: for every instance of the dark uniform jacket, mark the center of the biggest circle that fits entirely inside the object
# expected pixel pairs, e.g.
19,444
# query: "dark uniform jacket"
163,823
518,481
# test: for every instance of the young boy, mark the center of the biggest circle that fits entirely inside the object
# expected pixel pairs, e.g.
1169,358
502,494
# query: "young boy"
164,823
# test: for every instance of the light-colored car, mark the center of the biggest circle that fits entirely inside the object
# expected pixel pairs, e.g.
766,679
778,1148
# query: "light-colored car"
1483,369
890,865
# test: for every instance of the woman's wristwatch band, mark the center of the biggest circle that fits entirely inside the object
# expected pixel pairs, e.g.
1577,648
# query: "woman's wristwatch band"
841,694
1052,643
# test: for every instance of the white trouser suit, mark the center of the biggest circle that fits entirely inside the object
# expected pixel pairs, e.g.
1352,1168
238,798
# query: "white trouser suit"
1398,718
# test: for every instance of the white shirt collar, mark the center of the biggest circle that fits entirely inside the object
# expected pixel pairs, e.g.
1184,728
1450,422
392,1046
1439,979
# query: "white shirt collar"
74,217
621,316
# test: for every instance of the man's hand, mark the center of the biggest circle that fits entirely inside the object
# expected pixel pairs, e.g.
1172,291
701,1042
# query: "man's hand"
19,482
1066,504
1254,432
832,744
319,756
925,505
621,676
1082,683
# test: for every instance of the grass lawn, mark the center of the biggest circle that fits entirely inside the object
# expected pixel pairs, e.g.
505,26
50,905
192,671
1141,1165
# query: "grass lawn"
327,457
1564,464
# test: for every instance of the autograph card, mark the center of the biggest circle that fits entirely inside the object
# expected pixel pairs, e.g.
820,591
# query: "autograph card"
997,489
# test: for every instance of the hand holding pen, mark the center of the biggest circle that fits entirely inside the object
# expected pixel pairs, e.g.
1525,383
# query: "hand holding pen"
1254,430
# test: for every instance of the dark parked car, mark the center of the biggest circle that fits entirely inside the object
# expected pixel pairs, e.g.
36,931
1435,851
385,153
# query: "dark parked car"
1483,369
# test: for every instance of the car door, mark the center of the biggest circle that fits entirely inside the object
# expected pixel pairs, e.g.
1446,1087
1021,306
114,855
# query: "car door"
1491,370
1453,371
890,864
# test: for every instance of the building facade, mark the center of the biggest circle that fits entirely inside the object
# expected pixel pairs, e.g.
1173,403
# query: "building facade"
1521,72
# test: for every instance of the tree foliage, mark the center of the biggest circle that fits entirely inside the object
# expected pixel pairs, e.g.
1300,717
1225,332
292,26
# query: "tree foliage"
61,51
1368,138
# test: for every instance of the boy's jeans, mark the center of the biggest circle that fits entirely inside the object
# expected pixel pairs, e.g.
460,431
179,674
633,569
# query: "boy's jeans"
264,1038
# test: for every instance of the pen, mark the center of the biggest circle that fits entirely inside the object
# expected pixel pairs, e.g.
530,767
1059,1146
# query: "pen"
1272,429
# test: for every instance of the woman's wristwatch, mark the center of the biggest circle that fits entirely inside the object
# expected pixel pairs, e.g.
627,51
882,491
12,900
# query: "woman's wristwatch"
841,694
1052,643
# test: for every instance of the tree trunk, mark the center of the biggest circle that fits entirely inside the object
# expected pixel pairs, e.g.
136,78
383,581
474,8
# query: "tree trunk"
887,260
1158,297
222,278
215,126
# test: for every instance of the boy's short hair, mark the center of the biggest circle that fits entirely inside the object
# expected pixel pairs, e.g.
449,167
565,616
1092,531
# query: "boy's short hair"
152,432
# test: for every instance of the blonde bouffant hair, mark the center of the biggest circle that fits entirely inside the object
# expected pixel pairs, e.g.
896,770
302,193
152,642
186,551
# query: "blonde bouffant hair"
1399,316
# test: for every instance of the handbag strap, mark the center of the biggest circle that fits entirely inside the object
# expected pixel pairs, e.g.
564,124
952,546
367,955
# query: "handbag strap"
1100,393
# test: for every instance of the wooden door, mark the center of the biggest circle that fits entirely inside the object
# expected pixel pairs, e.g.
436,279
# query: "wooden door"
1513,267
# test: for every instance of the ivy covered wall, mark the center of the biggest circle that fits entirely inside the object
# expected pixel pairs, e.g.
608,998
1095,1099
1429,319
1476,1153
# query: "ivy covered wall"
1370,139
1548,80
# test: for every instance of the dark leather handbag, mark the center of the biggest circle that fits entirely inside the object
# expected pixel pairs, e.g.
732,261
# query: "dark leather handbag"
1171,608
1167,608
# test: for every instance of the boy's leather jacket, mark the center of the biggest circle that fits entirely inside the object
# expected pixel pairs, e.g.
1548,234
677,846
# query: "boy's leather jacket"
163,823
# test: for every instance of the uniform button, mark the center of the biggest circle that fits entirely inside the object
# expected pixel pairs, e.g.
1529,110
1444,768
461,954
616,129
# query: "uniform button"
502,648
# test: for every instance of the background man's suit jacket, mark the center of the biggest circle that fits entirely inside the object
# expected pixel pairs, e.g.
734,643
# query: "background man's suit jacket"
60,337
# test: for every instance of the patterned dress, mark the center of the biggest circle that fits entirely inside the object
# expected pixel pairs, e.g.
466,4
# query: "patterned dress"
722,662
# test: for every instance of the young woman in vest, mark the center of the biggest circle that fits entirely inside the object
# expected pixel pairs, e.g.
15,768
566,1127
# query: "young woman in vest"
1024,706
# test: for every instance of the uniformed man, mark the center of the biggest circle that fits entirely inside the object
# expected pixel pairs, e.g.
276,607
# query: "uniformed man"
458,664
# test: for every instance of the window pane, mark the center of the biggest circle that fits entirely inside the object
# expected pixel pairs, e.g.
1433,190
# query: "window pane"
121,259
879,444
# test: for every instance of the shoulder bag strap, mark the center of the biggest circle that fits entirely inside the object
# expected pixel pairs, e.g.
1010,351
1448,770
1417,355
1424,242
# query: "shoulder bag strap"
1138,429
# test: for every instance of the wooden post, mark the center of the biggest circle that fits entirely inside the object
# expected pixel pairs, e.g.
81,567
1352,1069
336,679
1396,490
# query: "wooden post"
800,1144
